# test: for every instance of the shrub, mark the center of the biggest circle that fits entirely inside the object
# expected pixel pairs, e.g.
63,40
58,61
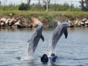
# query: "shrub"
48,17
23,7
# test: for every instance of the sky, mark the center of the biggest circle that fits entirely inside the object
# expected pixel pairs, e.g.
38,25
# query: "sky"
75,2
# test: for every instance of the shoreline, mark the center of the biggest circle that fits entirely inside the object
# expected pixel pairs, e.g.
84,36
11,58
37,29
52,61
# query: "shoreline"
83,27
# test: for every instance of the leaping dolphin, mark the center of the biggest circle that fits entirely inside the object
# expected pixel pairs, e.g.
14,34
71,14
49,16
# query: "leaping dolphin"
35,39
59,30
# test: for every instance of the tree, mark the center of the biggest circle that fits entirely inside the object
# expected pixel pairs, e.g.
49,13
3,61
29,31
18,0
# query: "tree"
47,4
86,2
84,8
28,3
22,7
82,5
0,3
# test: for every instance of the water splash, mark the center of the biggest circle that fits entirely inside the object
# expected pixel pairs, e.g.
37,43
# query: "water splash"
28,56
52,51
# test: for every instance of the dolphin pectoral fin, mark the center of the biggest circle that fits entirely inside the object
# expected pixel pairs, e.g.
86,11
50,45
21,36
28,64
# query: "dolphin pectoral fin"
42,37
65,33
29,40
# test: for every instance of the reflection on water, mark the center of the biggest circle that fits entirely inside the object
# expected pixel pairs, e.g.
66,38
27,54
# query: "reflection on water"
70,51
26,29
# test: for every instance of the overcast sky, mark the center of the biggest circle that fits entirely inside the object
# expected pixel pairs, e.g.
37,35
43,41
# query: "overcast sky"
75,2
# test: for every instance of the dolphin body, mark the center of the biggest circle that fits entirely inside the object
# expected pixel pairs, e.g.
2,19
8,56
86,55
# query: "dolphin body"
33,42
59,30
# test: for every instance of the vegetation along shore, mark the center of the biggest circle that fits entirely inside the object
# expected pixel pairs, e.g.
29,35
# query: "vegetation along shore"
30,19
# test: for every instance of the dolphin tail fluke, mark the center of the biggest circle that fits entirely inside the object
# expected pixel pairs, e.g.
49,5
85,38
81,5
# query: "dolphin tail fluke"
42,37
65,33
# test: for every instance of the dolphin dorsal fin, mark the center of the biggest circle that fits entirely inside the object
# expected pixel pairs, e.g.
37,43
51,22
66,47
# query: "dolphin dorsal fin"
42,37
65,33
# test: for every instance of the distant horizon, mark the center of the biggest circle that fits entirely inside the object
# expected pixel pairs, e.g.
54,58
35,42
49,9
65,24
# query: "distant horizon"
16,2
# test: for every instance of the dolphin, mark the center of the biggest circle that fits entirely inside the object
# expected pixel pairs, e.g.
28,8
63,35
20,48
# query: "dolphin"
59,30
33,42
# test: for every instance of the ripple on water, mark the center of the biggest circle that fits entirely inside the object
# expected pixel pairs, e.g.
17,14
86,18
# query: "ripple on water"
70,51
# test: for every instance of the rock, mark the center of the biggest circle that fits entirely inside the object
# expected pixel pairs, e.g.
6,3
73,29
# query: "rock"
36,22
82,23
10,14
58,22
70,24
3,20
22,22
7,21
2,24
17,23
76,22
84,20
79,24
86,23
22,26
12,22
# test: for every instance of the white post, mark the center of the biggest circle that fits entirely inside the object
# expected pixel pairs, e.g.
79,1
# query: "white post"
47,5
46,2
4,2
39,5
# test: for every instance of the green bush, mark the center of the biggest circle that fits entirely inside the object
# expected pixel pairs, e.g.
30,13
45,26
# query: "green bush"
76,9
8,8
23,7
48,17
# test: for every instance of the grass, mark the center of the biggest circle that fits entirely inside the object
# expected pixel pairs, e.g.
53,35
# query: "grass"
45,15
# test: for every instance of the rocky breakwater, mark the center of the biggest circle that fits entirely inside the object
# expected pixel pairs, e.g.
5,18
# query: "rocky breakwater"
15,22
78,22
21,22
